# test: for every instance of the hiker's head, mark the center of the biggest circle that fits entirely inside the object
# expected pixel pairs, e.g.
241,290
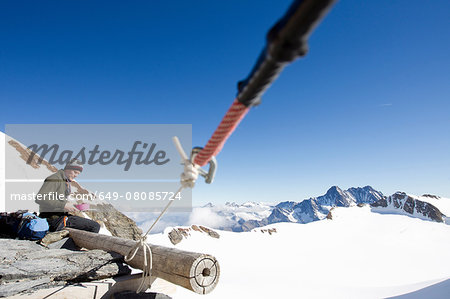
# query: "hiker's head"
73,169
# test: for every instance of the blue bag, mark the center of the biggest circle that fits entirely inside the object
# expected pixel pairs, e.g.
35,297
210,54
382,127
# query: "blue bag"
32,227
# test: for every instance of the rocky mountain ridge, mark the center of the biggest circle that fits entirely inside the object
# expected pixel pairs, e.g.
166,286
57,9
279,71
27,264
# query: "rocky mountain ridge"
318,208
408,205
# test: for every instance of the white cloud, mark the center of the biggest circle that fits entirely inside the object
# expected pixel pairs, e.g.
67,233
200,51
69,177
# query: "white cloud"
207,217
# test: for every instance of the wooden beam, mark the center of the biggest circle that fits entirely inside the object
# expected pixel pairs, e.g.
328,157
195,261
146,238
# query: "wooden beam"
194,271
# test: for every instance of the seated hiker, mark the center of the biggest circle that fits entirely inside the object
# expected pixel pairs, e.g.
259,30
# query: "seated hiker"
53,200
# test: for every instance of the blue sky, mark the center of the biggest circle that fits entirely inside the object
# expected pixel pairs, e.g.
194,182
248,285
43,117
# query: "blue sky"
368,105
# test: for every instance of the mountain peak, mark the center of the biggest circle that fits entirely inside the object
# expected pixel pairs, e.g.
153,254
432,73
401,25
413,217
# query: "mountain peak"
231,204
334,189
368,188
335,197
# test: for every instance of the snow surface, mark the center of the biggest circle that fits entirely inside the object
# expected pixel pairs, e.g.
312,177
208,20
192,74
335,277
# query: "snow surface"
358,254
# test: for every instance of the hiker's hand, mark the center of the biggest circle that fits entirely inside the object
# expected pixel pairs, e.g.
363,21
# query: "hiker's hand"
69,207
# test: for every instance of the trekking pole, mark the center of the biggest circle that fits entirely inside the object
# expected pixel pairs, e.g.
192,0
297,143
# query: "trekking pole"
286,41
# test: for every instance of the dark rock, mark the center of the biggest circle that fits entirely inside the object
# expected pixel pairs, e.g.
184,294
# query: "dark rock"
269,230
175,236
210,232
410,205
196,228
429,210
116,222
431,196
381,203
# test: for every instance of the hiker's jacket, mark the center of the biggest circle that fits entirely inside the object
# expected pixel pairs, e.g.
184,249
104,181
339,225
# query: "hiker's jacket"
52,197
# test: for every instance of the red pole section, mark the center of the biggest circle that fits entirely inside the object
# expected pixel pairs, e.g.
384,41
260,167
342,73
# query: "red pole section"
228,124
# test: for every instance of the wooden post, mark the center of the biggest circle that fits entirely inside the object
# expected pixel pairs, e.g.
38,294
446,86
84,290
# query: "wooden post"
194,271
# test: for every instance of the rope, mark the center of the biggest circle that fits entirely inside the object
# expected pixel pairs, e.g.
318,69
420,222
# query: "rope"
162,213
188,178
147,271
230,121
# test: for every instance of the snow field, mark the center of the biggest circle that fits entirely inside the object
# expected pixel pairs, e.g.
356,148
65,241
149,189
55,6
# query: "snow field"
358,254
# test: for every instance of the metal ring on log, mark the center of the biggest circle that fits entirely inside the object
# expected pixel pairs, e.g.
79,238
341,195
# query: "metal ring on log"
194,271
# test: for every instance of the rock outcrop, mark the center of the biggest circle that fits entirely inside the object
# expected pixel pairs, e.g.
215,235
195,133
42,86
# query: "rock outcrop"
268,230
118,224
431,196
410,205
26,265
177,234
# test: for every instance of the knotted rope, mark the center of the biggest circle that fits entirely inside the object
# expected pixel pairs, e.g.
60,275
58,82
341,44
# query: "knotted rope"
147,271
188,178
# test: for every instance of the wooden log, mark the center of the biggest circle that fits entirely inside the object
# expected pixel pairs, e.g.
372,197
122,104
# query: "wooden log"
194,271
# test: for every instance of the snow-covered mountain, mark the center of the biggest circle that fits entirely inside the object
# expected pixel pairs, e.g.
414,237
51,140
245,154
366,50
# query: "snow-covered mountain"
248,216
345,198
317,208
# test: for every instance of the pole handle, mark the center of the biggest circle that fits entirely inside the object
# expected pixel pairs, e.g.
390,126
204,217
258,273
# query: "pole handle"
286,41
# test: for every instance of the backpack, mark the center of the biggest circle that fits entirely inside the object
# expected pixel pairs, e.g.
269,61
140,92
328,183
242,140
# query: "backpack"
8,225
31,227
